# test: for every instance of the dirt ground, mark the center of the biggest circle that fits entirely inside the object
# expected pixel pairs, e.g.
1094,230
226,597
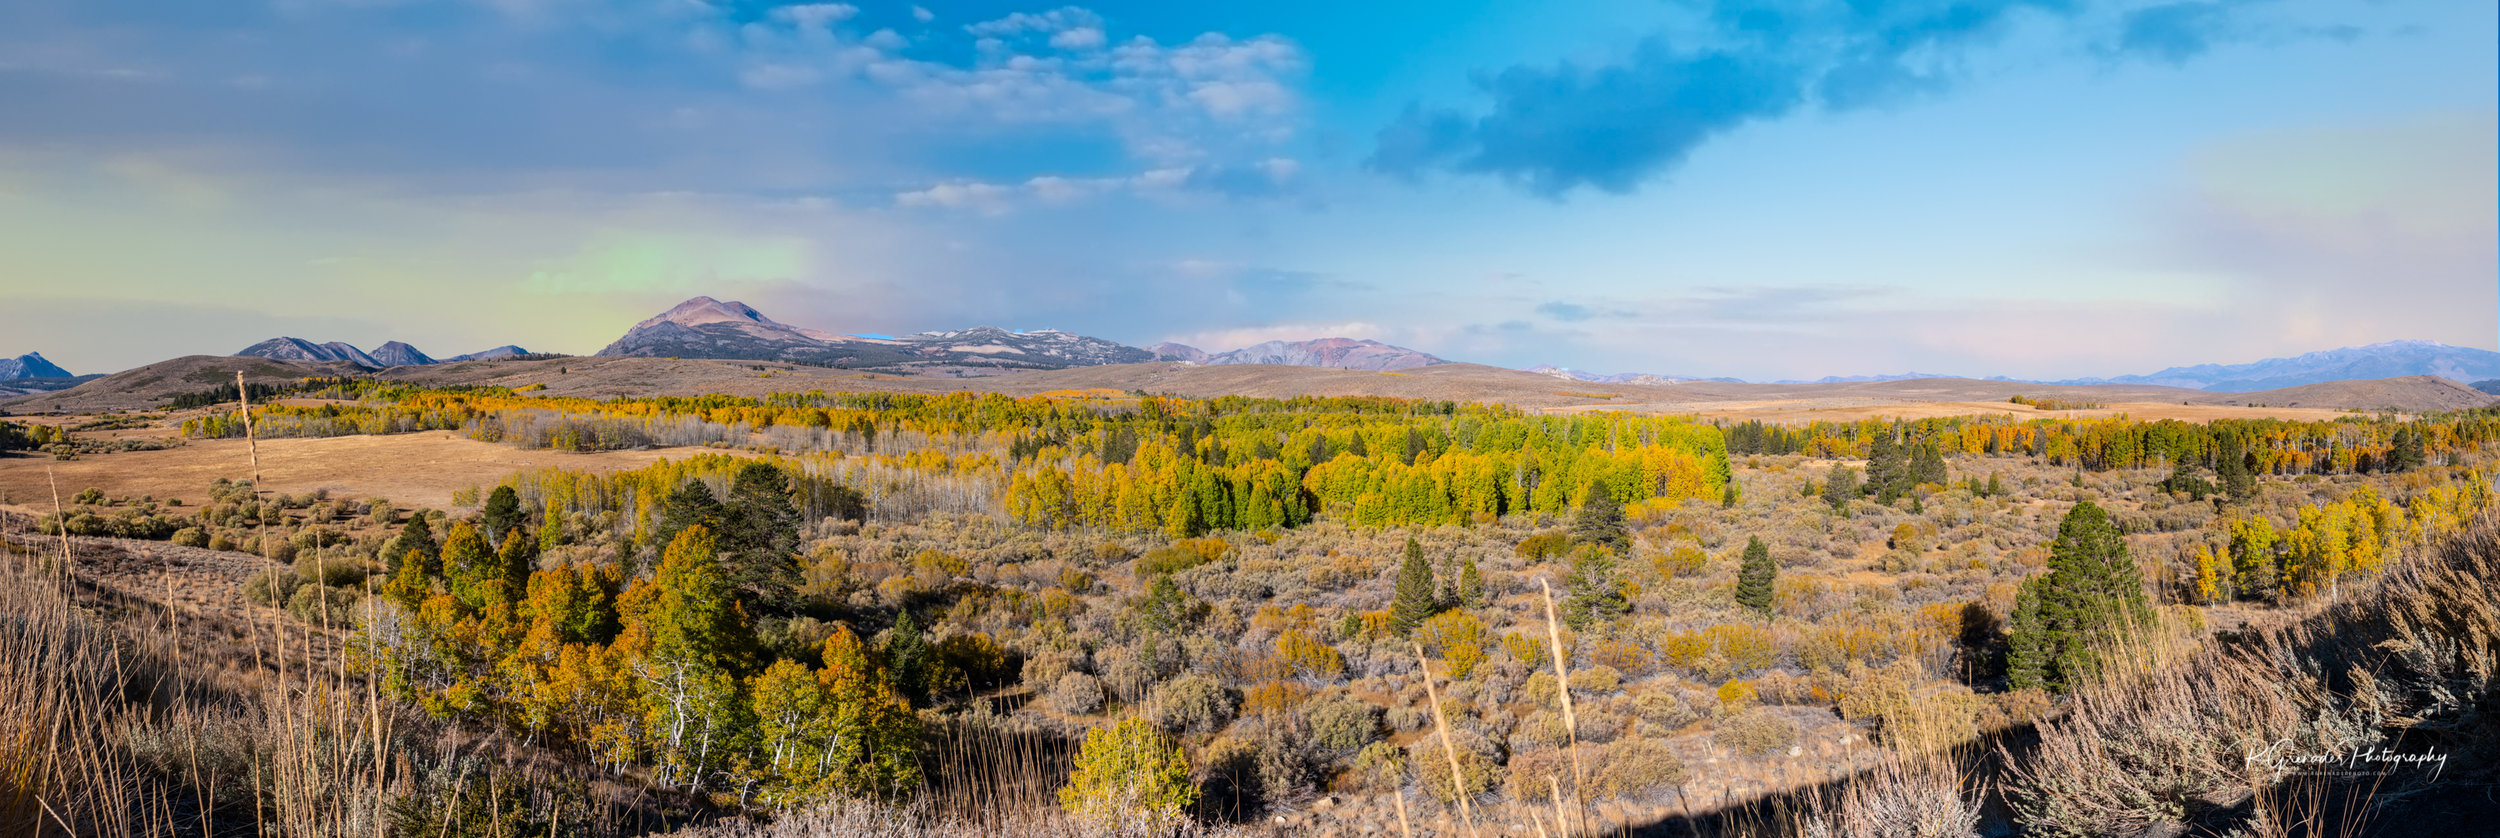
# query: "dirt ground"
411,470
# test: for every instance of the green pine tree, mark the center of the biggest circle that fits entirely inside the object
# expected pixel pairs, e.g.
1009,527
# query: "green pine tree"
2231,467
1591,593
907,658
1471,591
2092,595
1841,487
1886,467
1600,521
1756,579
759,538
501,514
1417,593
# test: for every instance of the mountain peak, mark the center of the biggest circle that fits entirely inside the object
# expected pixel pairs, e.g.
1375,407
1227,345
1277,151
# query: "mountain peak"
707,328
702,310
30,365
397,354
1334,352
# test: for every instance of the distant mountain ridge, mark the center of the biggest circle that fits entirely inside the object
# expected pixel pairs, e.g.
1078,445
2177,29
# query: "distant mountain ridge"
30,365
2389,359
1333,353
392,354
707,328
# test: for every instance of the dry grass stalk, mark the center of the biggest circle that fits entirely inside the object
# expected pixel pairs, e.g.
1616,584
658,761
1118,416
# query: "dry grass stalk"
1571,724
1441,723
1405,829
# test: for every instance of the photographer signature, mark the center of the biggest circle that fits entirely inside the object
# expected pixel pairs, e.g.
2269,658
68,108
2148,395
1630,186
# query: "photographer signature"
2282,757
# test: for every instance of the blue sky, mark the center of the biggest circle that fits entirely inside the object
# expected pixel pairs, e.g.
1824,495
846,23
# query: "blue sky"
2036,188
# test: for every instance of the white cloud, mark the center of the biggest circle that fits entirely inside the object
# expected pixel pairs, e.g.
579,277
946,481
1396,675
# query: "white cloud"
1172,184
922,14
1083,38
1214,97
816,15
984,198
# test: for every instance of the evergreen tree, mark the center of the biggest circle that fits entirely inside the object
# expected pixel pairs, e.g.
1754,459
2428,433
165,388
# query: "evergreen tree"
1471,591
2028,652
501,513
515,562
1416,593
471,568
907,658
1727,496
1841,487
694,642
1600,522
1996,488
1927,465
2231,467
1756,579
689,505
1591,593
2407,453
759,537
417,538
2091,595
1886,467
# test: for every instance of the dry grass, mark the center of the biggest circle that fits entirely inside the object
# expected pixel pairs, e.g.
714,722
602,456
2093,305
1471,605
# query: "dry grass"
2406,663
412,470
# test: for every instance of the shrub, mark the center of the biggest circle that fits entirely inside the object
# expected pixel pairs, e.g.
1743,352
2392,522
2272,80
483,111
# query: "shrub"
273,587
1738,696
191,537
1634,767
1075,694
1344,723
1544,545
1664,709
1193,704
325,605
1380,766
1596,679
1431,767
1128,772
333,570
1458,637
1533,774
1756,731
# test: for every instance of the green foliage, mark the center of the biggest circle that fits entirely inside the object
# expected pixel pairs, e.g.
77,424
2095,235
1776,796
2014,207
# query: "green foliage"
698,643
837,730
1600,522
1592,594
501,513
907,658
1417,597
2091,596
1840,487
1756,579
1471,592
1128,771
1544,545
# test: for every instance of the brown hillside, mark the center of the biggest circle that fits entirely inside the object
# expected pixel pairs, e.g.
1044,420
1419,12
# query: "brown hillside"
151,385
2406,394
